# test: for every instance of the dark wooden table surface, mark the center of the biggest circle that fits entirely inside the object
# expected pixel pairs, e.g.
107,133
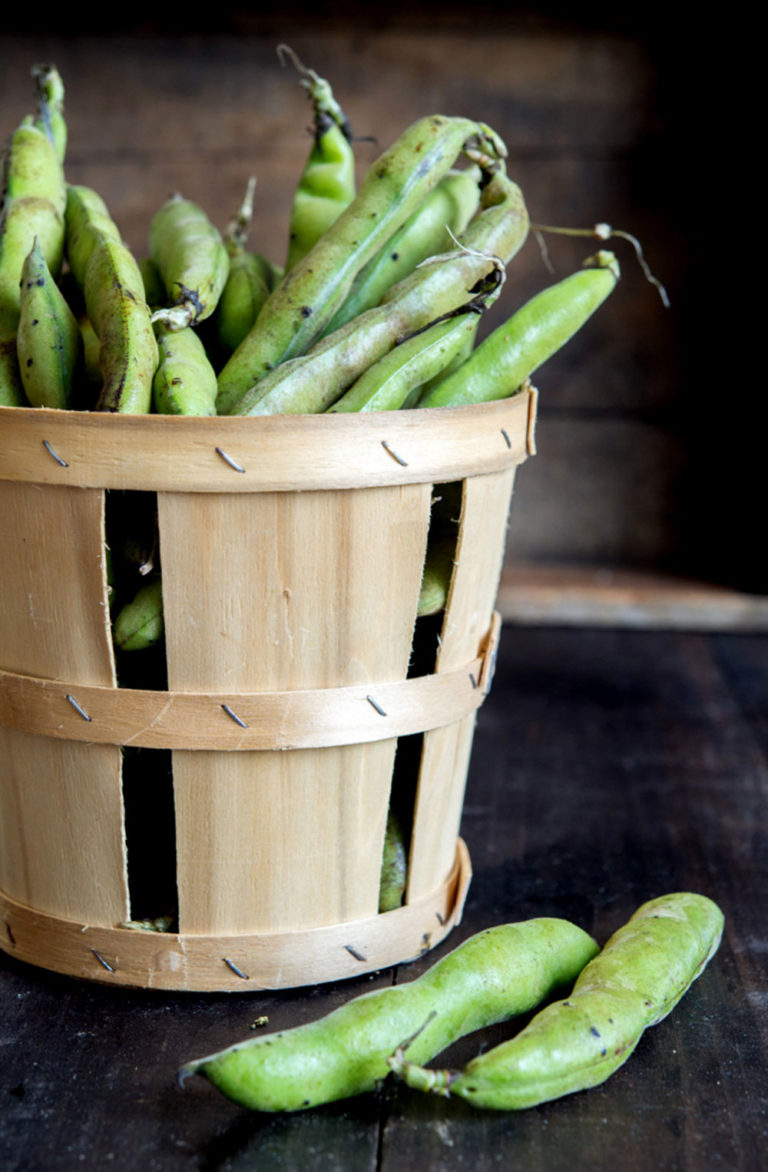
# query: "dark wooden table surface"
609,767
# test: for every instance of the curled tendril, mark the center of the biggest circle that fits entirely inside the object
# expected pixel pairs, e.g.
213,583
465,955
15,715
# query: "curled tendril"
601,232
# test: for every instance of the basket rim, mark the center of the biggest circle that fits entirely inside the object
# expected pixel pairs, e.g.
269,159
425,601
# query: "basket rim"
265,453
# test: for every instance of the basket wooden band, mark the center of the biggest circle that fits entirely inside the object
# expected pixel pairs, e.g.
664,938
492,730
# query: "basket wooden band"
246,720
280,453
241,963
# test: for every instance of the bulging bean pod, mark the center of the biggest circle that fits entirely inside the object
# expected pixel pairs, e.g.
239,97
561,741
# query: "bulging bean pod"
300,308
31,205
49,344
139,623
192,260
442,285
494,975
185,381
88,224
327,183
114,299
501,363
447,210
640,975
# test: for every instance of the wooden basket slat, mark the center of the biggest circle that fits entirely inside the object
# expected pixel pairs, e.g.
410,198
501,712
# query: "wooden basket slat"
54,621
286,591
469,609
61,842
60,804
272,842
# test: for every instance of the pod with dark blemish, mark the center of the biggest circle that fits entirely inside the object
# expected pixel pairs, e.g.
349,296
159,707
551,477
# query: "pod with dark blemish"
192,260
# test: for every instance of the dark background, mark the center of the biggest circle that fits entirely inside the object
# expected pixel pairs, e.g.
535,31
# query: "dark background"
649,434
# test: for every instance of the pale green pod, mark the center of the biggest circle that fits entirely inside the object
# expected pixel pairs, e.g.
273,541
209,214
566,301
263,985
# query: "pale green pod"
491,977
445,284
88,222
446,211
114,299
386,385
301,307
500,364
192,260
48,344
327,183
247,288
32,197
459,358
26,219
139,624
436,578
394,866
185,381
571,1045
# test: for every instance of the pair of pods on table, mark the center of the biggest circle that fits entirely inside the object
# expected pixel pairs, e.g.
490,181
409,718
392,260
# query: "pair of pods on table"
642,972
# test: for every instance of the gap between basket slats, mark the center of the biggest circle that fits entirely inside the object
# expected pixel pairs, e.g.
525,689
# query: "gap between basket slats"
468,613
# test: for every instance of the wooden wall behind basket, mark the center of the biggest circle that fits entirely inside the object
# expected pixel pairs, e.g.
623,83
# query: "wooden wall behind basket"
641,461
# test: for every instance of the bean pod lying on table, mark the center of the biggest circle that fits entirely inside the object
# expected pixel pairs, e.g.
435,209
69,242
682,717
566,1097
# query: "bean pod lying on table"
494,975
640,975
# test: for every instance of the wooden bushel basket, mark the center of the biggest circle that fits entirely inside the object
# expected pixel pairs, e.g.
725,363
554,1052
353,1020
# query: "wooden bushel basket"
292,551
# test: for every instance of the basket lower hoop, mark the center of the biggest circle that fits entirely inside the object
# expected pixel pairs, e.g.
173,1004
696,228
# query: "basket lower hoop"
242,963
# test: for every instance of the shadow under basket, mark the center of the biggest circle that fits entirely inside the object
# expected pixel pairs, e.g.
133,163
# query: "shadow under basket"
292,550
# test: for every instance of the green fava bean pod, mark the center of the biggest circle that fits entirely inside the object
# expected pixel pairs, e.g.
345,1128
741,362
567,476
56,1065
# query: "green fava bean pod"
114,299
139,624
327,184
446,210
192,260
32,199
301,307
386,384
500,364
185,381
436,578
394,865
494,975
640,975
443,285
49,343
249,283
